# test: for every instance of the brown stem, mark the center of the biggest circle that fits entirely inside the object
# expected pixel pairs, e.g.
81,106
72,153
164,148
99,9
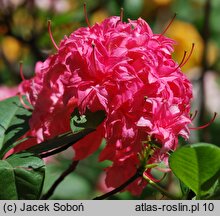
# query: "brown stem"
50,192
121,187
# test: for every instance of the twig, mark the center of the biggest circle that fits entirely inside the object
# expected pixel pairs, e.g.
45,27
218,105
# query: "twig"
120,188
160,189
50,192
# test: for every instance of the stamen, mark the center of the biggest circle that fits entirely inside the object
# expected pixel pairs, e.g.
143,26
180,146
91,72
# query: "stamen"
180,64
121,14
184,56
23,103
192,117
86,15
21,71
187,59
93,55
206,125
50,33
165,30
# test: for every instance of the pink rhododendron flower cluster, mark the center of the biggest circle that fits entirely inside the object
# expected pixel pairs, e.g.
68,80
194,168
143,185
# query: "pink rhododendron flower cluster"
127,71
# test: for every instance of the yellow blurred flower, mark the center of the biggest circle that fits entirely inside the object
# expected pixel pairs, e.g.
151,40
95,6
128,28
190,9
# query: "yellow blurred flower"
162,2
11,48
185,34
99,16
149,6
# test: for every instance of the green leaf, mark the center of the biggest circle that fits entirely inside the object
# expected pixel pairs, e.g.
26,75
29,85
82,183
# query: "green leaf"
13,123
197,166
88,120
21,177
7,183
81,125
58,144
214,191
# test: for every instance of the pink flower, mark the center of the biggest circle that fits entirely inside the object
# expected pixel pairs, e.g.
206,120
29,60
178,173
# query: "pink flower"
6,92
101,185
125,70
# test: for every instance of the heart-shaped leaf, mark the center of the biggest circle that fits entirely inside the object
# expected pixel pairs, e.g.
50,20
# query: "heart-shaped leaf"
197,166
